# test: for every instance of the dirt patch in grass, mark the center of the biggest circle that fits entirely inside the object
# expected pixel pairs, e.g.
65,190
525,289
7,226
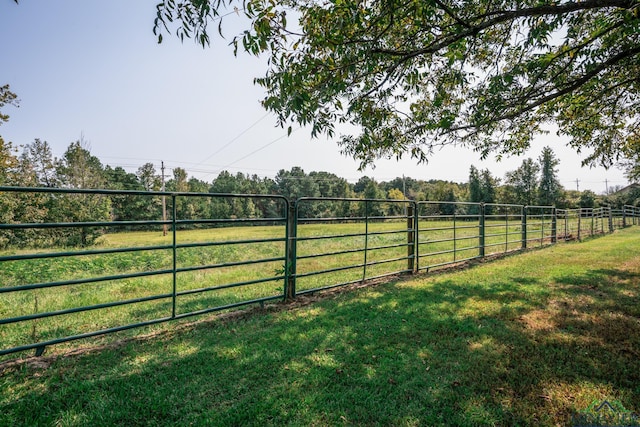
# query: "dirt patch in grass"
539,320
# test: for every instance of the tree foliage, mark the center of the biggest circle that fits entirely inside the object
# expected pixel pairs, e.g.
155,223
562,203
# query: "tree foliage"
549,189
414,75
79,169
148,177
482,188
39,162
523,182
588,199
8,203
618,199
7,98
475,186
489,185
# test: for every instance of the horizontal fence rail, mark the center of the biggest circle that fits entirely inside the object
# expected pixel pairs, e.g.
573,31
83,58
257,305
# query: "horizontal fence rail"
447,233
371,239
88,275
84,263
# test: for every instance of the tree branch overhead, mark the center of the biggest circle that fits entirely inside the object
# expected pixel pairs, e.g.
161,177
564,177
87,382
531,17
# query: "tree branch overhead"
420,73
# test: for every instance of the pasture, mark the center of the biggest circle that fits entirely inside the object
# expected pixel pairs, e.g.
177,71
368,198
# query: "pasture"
111,285
525,340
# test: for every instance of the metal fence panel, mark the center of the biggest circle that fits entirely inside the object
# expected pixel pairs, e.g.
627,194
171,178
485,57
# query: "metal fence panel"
448,233
136,271
369,240
84,263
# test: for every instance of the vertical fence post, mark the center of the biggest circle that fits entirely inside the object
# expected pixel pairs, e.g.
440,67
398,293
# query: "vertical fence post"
366,239
481,231
174,245
506,229
554,225
541,226
610,220
290,262
579,223
624,216
416,225
411,238
524,227
455,237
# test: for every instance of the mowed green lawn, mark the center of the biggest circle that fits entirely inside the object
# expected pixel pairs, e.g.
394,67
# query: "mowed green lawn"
525,340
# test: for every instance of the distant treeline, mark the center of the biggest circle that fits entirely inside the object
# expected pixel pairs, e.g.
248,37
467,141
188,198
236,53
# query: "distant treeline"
35,166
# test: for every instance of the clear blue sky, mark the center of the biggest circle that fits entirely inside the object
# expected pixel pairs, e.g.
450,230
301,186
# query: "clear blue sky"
95,68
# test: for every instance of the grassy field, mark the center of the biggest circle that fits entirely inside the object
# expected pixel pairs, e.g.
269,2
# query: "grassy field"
526,340
328,254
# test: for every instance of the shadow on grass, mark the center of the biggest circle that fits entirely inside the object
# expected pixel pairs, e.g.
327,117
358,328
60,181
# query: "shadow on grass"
443,353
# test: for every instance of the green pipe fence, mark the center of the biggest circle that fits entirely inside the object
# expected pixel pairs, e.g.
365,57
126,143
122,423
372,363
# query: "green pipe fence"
505,228
371,239
541,226
77,264
449,232
52,295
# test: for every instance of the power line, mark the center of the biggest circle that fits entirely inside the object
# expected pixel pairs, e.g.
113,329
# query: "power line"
233,139
260,149
256,150
208,172
145,160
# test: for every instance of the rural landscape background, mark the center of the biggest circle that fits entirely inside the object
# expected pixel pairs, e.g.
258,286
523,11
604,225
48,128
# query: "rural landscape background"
534,182
320,213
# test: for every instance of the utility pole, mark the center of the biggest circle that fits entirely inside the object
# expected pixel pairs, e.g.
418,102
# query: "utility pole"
164,202
606,186
577,184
